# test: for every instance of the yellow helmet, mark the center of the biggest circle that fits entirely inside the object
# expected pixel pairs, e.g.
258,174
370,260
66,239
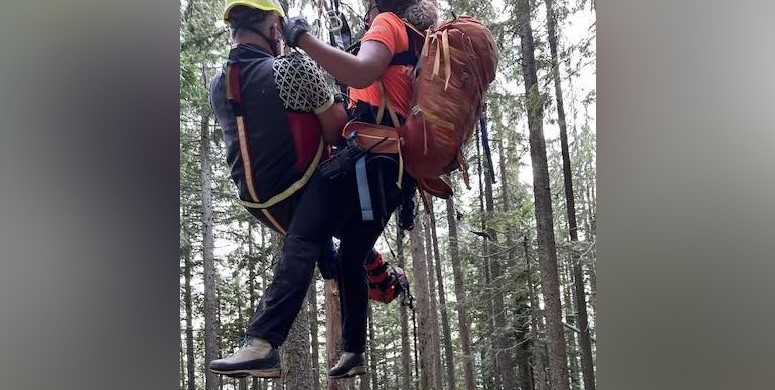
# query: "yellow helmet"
266,5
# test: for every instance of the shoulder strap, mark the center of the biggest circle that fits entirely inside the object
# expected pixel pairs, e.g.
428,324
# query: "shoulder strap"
410,56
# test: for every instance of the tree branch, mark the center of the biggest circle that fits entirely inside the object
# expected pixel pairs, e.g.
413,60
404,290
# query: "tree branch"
575,329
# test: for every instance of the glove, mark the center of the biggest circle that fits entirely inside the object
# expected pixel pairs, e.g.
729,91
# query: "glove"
292,30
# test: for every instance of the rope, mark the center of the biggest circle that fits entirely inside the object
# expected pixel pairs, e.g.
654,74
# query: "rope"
339,34
399,262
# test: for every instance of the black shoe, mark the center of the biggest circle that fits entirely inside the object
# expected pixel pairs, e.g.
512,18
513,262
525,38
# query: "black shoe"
350,365
256,358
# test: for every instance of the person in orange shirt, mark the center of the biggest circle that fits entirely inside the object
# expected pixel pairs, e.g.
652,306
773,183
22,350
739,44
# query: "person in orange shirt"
387,53
385,60
331,206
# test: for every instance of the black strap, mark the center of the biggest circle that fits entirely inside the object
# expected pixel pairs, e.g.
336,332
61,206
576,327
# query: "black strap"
410,56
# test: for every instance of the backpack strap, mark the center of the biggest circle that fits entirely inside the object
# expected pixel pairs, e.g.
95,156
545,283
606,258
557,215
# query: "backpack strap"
377,139
385,103
410,56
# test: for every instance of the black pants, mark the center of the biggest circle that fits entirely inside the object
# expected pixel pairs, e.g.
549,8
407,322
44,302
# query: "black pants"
278,218
329,208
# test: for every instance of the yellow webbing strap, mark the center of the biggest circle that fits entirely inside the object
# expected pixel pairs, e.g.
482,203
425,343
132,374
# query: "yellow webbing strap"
293,187
378,139
244,152
386,103
436,120
274,222
437,58
424,197
393,117
448,63
425,45
400,169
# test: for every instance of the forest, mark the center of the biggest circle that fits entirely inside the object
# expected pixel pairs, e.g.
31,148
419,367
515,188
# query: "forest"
503,275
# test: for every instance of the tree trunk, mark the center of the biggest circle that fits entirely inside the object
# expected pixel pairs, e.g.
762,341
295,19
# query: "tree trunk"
333,329
406,352
267,257
543,207
447,336
372,354
208,260
490,377
570,335
423,306
312,296
434,319
585,343
503,357
243,382
522,350
191,382
182,365
591,269
539,350
237,288
521,322
460,298
492,374
297,358
252,277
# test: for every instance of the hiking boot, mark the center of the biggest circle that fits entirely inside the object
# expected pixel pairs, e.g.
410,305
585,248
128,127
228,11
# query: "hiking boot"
256,357
350,365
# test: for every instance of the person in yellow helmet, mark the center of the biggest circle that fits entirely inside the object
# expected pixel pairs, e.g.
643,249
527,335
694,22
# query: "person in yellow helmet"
275,111
261,17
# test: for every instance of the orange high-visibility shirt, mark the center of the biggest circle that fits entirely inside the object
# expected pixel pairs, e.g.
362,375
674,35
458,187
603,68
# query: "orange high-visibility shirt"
388,29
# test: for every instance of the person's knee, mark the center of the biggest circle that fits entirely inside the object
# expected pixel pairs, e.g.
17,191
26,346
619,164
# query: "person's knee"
303,246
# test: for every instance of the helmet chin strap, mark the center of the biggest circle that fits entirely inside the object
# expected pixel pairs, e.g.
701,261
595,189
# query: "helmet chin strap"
274,44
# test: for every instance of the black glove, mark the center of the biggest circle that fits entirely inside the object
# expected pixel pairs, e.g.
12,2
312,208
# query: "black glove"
293,29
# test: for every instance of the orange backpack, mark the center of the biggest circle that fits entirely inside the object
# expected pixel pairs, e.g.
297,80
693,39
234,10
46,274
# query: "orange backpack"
456,66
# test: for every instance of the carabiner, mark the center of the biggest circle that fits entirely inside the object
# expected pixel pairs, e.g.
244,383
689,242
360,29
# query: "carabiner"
333,22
